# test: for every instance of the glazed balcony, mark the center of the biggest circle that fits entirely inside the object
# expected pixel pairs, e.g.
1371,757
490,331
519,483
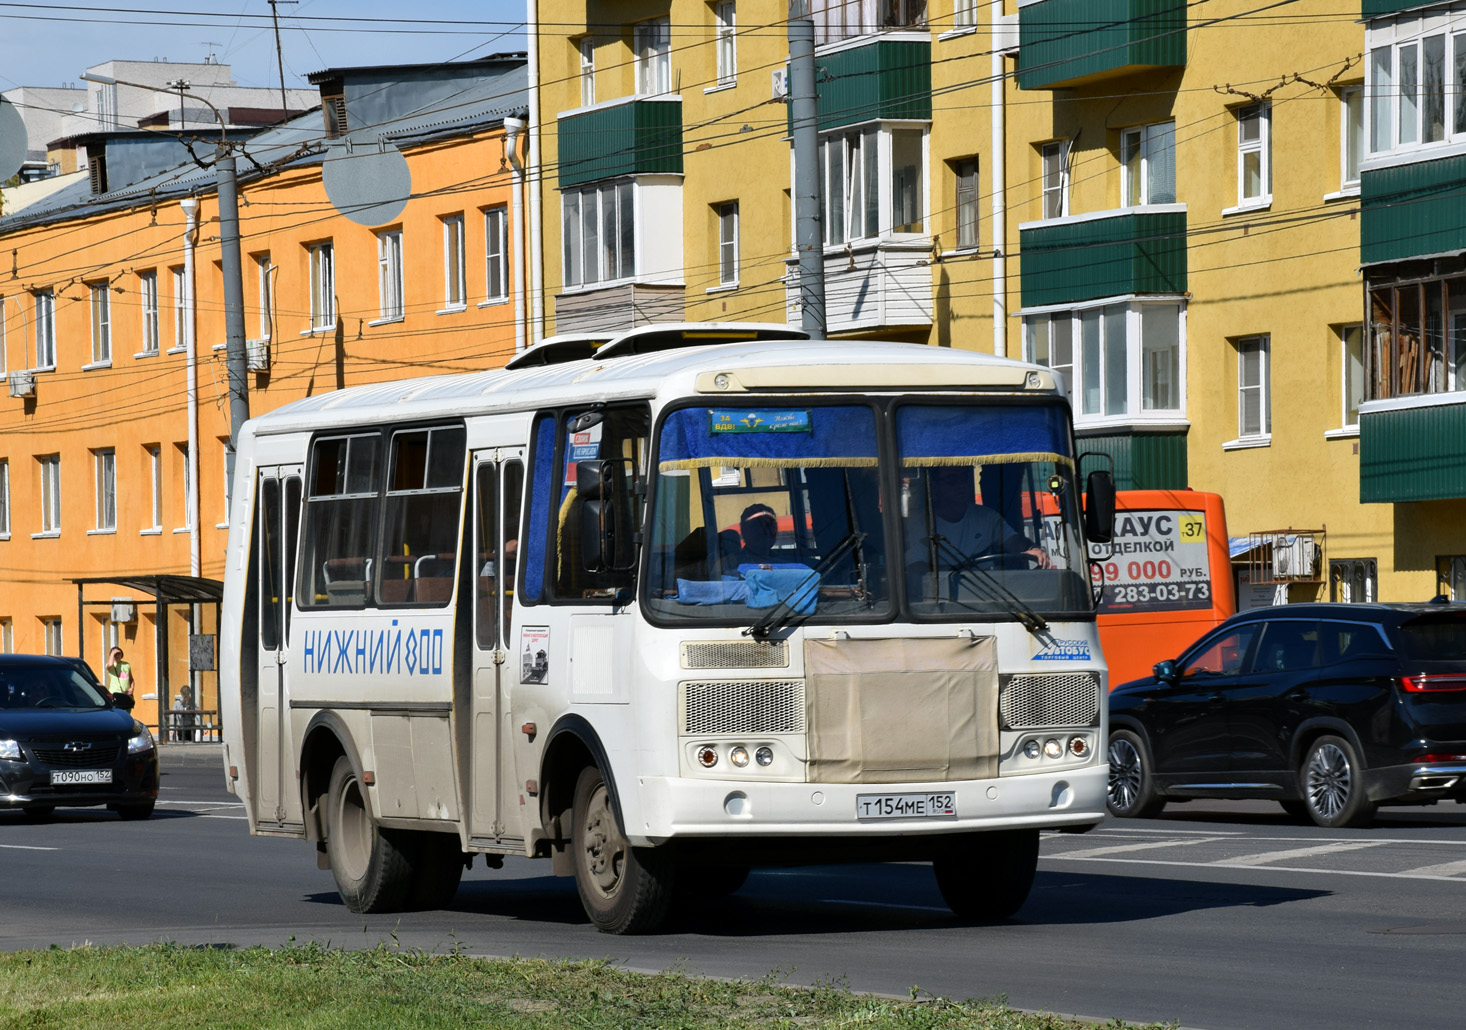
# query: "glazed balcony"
1064,43
1104,254
629,136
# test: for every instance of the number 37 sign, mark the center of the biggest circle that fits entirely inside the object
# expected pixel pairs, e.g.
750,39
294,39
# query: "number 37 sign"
1157,562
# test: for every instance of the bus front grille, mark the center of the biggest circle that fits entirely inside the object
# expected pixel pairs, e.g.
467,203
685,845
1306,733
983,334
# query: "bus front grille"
1043,702
743,706
736,654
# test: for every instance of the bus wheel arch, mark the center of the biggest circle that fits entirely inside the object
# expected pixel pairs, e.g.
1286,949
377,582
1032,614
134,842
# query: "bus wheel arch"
326,739
571,745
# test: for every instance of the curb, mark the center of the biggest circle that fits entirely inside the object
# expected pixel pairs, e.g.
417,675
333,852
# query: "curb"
176,756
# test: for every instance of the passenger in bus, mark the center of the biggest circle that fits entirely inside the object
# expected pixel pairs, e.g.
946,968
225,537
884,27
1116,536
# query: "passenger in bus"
967,530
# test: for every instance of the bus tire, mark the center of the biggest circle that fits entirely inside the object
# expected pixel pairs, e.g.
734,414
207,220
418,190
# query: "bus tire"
716,881
369,864
623,889
437,869
1131,790
986,877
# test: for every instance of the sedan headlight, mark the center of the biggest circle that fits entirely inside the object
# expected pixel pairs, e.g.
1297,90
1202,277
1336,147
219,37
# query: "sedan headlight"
10,749
141,741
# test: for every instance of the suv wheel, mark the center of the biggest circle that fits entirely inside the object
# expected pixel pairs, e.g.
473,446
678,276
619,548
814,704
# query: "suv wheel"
1333,784
1132,791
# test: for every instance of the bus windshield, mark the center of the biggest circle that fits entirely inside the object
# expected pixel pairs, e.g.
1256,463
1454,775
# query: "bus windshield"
773,512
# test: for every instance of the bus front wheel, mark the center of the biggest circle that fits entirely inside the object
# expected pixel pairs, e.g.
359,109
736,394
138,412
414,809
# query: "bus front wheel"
371,869
986,877
624,889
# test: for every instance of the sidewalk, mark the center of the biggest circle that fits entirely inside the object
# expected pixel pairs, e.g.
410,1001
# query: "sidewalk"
177,754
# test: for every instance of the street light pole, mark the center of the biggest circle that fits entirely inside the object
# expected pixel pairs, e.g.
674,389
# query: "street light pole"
227,186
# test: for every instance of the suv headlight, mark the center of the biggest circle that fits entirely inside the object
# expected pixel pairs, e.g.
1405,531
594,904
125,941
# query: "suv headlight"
10,749
141,741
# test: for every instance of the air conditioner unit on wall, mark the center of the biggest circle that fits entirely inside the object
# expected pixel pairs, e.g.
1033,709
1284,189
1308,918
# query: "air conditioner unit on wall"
123,610
23,384
257,355
1295,557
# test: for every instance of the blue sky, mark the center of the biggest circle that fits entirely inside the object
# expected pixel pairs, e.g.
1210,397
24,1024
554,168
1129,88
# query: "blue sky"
49,44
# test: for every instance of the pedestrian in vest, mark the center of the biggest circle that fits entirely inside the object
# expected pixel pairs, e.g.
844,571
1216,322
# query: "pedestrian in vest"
118,674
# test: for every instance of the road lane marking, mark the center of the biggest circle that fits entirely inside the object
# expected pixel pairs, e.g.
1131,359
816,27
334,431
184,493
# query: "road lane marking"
1267,868
1451,869
1119,849
27,847
1138,831
1333,847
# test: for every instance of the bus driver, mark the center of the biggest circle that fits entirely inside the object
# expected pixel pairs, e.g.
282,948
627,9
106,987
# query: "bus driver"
965,529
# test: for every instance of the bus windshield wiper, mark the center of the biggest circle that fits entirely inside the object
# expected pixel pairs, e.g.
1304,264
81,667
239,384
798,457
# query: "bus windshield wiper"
777,617
963,567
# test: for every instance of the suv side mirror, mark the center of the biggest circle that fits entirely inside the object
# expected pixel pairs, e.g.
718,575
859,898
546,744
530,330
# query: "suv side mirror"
605,514
1165,671
1099,507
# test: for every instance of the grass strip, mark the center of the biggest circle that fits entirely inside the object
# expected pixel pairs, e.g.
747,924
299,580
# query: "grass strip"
163,986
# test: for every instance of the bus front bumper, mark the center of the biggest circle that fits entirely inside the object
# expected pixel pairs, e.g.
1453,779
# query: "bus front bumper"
690,808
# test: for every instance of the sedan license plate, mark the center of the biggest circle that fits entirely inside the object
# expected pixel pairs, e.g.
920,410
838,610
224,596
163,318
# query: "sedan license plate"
906,806
81,776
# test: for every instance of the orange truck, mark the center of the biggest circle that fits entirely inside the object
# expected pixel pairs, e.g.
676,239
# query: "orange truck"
1167,577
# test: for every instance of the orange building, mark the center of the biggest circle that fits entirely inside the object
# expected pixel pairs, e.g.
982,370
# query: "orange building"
115,430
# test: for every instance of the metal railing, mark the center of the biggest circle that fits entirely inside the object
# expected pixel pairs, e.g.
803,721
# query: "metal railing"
186,725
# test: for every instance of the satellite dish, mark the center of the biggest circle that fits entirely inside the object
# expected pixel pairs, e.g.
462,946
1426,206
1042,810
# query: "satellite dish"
367,180
12,140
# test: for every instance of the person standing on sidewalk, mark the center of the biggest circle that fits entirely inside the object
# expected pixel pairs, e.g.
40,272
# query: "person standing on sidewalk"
118,675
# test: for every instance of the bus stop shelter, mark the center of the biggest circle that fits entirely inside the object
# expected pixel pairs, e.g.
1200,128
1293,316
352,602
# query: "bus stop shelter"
167,591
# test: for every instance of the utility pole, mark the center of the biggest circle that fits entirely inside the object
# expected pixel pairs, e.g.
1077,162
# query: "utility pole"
808,237
279,53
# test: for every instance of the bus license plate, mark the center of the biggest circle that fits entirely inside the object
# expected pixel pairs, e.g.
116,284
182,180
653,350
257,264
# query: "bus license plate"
906,806
82,776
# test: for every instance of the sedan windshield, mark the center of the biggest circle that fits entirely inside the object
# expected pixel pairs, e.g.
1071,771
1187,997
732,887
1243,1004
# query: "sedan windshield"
47,686
769,508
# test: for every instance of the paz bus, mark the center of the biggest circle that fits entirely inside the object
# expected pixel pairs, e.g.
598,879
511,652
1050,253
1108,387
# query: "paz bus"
499,614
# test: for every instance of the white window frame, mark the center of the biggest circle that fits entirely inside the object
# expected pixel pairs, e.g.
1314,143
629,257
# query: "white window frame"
104,481
1395,109
180,310
496,255
323,285
4,355
1147,152
842,19
181,449
1351,383
265,296
4,498
1262,146
101,308
50,470
967,216
1054,176
587,48
45,322
7,636
1042,327
652,46
727,243
1353,144
147,297
53,633
390,288
455,285
725,22
964,14
858,183
1263,431
585,210
155,479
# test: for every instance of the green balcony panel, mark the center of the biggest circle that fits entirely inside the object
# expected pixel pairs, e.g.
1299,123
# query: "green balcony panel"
1140,251
1065,43
1385,8
887,78
638,137
1413,454
1412,210
1141,461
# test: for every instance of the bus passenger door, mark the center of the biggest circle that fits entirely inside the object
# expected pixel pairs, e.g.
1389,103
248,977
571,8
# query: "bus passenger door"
278,524
498,478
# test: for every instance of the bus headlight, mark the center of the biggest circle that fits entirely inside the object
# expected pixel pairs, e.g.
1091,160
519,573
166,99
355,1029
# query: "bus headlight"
1032,750
1053,749
1079,746
764,756
707,756
738,756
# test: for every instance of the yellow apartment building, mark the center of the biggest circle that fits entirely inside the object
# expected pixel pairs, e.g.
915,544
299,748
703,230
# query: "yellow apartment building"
114,433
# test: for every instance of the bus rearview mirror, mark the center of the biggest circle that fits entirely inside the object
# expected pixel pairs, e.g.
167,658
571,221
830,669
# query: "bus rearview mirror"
1099,507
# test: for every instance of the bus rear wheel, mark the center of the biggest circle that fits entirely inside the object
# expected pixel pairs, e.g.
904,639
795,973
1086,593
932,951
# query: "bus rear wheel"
623,889
986,877
369,864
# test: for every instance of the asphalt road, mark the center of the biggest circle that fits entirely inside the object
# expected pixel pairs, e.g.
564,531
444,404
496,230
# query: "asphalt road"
1217,915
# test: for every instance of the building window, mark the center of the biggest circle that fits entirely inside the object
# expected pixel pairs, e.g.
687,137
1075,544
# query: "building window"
873,178
323,286
1417,337
104,465
52,627
1148,165
147,293
835,20
155,478
599,233
5,498
45,322
1415,90
4,363
389,274
184,475
1124,359
1352,351
652,41
727,43
967,219
50,465
101,323
496,254
964,14
1254,400
728,243
1056,179
587,48
1254,161
908,183
1351,136
7,636
180,308
454,289
1450,575
263,268
1353,580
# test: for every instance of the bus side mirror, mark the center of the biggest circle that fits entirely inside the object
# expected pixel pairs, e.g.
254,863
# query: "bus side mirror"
1099,507
604,514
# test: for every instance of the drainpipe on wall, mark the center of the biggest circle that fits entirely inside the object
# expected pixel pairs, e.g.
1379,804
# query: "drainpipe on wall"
536,236
1000,206
513,129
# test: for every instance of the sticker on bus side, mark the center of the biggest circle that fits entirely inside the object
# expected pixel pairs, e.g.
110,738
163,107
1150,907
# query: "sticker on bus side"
534,654
1156,562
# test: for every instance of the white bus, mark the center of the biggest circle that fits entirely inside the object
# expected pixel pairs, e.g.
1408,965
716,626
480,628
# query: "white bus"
681,607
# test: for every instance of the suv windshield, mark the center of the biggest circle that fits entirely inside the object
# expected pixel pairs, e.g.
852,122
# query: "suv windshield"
44,686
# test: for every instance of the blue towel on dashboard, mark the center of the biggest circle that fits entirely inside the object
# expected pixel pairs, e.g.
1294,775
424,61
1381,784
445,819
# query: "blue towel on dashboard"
769,586
702,591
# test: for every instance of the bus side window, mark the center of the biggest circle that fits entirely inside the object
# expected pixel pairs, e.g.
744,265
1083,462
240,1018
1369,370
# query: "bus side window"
487,560
541,494
340,521
513,480
623,433
424,496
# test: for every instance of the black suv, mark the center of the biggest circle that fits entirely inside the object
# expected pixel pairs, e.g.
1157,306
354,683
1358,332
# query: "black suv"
1329,709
